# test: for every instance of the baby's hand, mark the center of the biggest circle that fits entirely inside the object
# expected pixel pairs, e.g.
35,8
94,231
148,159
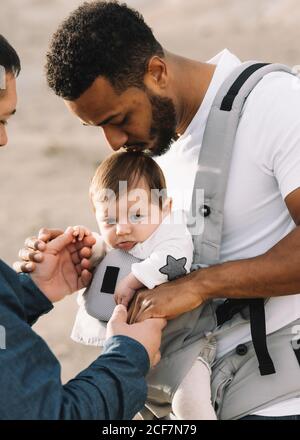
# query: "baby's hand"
124,293
79,232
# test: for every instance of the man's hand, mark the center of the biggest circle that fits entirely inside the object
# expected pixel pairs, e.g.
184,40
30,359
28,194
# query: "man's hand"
148,333
167,300
57,275
32,252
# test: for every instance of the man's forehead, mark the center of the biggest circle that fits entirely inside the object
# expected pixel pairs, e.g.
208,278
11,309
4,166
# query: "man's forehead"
98,100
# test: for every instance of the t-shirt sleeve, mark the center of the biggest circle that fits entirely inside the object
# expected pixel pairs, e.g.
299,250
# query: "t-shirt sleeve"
165,263
281,157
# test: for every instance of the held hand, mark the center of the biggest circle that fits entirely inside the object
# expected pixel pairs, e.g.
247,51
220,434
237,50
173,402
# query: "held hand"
79,232
32,253
147,333
123,293
57,275
167,300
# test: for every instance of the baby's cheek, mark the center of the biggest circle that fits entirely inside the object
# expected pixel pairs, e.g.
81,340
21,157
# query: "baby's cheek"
146,230
110,237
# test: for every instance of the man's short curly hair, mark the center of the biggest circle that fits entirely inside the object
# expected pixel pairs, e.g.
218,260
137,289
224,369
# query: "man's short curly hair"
100,38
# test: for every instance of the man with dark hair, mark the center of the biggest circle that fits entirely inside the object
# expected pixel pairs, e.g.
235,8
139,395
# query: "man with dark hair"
111,72
113,386
113,46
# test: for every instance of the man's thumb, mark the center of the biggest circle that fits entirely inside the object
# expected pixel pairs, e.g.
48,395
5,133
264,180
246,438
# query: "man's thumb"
60,242
119,314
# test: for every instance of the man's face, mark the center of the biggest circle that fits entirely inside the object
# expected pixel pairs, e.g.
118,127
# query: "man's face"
135,119
8,102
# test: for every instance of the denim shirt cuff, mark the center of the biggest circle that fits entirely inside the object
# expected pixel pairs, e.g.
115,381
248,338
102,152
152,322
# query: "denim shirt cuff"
35,302
129,346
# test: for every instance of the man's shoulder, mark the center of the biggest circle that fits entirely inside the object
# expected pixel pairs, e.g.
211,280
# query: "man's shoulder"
275,88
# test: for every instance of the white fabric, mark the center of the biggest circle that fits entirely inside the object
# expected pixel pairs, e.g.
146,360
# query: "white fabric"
265,168
87,329
170,238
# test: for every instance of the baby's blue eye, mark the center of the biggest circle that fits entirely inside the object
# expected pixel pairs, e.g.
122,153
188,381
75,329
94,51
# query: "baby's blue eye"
135,218
111,221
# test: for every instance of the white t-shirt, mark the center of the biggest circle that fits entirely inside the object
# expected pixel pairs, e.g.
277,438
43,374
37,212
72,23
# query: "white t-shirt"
265,168
171,241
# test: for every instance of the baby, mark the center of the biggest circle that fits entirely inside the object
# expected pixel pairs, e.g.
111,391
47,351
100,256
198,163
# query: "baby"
134,213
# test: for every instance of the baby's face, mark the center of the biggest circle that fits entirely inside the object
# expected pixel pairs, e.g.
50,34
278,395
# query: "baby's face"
131,219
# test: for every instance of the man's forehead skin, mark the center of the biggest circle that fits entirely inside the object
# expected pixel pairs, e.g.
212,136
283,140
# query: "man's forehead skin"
97,103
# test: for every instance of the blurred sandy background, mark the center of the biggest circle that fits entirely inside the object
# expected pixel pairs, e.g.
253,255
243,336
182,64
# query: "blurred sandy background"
45,171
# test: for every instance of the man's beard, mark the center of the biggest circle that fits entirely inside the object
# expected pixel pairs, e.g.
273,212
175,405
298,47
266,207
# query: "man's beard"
163,125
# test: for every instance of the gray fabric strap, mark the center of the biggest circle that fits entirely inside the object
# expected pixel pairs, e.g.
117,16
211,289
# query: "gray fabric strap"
2,78
214,163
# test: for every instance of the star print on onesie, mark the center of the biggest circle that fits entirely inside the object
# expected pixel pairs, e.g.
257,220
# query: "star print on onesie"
174,267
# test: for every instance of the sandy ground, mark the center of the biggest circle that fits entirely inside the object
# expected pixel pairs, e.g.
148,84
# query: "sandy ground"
45,171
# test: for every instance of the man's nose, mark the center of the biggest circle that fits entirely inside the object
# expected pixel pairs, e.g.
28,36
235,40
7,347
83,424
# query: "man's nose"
123,228
3,136
115,136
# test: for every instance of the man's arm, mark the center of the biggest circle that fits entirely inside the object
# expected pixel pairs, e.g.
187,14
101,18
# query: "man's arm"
35,303
271,274
113,387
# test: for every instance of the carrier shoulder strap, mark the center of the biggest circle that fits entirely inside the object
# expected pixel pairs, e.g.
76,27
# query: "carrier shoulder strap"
212,177
215,157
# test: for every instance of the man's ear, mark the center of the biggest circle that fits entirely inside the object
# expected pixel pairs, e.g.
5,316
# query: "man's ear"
156,77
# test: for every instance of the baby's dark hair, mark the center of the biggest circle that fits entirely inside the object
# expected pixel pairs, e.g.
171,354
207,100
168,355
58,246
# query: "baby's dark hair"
100,38
129,167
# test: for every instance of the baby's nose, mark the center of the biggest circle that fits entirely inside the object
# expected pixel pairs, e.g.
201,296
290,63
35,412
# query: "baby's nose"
123,228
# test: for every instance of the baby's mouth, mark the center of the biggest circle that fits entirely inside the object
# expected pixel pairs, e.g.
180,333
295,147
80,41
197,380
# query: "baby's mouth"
126,245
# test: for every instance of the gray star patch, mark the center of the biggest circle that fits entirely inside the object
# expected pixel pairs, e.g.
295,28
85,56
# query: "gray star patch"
174,268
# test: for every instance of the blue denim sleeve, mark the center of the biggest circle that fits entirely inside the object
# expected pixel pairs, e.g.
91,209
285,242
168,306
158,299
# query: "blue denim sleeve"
112,387
34,301
120,389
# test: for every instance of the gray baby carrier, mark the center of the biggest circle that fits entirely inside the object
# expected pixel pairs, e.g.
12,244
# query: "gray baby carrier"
238,386
99,299
265,371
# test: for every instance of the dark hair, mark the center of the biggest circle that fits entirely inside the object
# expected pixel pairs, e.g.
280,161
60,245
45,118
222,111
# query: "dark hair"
100,38
130,167
9,58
